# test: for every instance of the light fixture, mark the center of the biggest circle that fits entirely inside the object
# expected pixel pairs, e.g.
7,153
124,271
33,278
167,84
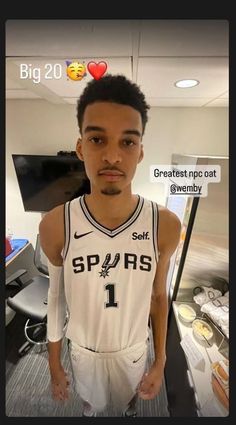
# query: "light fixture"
185,84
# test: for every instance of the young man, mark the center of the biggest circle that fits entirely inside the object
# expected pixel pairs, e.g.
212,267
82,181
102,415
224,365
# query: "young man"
109,254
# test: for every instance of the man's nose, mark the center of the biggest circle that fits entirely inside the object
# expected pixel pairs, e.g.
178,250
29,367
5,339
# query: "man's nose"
112,155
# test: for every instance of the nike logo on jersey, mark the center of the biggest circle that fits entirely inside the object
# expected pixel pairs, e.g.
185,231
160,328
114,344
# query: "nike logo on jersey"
82,234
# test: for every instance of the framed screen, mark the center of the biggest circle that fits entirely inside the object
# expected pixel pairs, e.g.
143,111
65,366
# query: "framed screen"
46,181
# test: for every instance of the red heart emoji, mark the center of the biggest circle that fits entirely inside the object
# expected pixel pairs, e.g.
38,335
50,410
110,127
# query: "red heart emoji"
97,69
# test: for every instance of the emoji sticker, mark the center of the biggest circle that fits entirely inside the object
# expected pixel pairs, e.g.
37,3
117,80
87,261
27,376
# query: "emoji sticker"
97,70
75,70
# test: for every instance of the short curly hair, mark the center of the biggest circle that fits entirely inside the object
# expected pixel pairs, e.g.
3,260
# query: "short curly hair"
112,88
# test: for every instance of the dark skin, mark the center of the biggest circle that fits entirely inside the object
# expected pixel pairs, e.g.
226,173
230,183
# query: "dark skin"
111,148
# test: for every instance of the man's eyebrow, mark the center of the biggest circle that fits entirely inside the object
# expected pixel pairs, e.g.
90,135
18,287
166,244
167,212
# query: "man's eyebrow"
93,128
97,128
135,132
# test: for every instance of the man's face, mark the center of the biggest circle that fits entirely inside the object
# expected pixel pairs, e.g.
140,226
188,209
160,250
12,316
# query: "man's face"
110,146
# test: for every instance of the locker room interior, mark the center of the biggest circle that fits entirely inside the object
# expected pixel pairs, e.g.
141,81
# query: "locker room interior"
183,123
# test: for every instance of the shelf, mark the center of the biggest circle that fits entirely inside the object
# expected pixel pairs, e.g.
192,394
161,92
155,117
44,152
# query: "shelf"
208,404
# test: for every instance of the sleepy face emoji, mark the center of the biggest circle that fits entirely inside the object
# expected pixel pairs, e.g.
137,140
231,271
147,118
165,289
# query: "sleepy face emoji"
75,70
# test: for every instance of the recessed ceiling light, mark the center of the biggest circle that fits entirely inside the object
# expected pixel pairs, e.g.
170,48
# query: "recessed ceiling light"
184,84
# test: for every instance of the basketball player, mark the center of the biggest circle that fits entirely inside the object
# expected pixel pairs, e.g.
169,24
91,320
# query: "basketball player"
109,254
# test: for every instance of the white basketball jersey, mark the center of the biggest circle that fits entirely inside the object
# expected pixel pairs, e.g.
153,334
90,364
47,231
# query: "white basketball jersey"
108,276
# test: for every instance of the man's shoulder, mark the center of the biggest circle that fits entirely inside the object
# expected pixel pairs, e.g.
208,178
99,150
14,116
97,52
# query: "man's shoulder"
168,214
169,228
168,217
51,217
51,230
52,224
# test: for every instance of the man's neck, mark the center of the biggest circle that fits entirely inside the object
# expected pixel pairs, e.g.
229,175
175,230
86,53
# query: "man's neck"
111,210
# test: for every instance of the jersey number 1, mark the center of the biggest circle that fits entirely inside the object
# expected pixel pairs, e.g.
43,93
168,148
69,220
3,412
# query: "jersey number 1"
110,287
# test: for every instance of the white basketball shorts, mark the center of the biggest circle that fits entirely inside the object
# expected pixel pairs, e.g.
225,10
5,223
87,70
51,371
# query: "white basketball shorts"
104,378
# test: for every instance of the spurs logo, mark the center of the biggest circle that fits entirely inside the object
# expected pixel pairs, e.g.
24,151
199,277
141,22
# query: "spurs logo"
130,261
106,265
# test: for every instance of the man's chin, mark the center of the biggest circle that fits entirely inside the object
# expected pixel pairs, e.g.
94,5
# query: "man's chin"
111,191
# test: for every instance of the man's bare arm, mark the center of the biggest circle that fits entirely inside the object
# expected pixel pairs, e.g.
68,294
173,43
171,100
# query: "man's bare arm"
51,230
169,234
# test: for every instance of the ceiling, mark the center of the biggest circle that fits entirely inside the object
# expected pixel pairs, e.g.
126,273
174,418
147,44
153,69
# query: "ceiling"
153,53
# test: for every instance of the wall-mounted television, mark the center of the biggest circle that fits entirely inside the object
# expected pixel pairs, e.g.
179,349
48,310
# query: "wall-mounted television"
46,181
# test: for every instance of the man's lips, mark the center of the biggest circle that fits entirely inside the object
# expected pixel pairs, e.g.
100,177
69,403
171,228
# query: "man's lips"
110,173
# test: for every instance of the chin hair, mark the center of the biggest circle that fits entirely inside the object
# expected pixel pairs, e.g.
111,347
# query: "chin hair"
111,191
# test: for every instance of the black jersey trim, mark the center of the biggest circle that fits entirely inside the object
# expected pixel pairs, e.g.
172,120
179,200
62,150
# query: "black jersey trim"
67,228
119,229
155,221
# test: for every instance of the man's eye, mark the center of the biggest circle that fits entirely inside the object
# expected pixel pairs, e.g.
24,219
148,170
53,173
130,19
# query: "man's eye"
129,142
96,140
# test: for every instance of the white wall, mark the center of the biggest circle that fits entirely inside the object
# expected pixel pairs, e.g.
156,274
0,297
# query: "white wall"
33,127
38,127
187,131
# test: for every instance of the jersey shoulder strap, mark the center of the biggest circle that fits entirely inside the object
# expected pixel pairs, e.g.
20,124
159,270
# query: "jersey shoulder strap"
155,225
67,229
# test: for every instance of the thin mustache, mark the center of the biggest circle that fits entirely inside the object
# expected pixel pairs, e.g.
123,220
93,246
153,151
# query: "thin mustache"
110,169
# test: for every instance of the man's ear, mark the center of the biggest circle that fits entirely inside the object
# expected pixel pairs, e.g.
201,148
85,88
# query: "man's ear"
141,154
79,149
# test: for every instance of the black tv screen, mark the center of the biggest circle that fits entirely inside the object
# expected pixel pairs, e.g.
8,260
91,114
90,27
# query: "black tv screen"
46,181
